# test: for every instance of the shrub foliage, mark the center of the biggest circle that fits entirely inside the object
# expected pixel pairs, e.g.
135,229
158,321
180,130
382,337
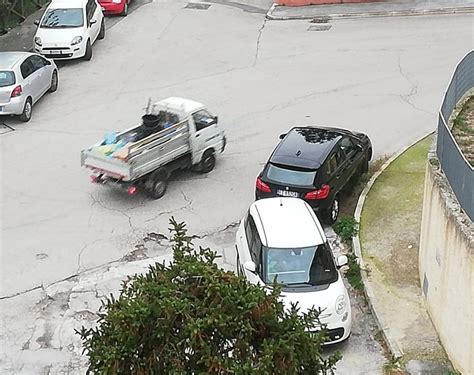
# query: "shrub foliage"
191,317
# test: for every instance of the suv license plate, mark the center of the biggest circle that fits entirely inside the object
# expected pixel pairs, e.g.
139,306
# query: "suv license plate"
287,193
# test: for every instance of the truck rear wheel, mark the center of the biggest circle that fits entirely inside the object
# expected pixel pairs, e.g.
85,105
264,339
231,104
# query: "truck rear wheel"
156,186
208,162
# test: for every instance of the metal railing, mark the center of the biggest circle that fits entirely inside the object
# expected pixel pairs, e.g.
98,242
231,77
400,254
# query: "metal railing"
454,164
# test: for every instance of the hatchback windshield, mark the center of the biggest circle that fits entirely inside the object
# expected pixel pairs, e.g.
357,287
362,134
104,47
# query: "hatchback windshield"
57,18
7,78
290,176
308,265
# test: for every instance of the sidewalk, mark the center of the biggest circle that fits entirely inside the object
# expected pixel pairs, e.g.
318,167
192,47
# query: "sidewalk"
21,37
389,240
380,9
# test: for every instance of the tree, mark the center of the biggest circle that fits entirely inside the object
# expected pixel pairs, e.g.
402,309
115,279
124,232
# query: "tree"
190,317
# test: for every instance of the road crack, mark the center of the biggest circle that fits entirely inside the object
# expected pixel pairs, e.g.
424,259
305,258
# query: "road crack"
257,49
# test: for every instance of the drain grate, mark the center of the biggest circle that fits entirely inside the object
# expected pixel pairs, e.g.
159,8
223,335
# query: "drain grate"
319,28
200,6
4,128
320,19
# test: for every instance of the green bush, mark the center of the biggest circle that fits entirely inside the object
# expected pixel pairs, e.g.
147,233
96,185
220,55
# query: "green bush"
191,317
346,227
353,273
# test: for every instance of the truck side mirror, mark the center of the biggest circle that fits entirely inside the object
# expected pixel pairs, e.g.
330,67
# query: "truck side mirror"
282,135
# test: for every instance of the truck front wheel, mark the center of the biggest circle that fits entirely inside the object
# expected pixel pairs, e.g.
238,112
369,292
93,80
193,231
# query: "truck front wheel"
208,162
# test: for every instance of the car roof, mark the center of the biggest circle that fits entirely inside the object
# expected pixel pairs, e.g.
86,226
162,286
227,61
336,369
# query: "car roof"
306,147
67,4
284,222
8,60
185,106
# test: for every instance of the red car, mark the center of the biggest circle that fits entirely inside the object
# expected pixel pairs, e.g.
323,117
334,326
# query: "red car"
119,7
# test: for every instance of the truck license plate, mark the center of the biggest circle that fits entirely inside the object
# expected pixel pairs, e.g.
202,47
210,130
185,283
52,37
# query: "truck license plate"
287,193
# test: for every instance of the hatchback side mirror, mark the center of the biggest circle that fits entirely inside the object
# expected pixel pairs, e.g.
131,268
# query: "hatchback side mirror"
249,266
37,22
341,261
282,135
92,21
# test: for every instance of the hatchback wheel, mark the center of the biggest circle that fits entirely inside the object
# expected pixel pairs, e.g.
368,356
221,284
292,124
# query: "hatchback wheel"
125,9
27,111
54,82
102,30
88,54
333,211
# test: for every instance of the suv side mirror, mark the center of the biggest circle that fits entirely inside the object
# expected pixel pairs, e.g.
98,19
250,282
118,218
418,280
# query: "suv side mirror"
360,147
215,119
341,261
37,22
92,22
282,135
249,266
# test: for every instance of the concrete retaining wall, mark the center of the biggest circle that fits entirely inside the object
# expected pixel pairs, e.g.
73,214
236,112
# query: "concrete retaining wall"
446,265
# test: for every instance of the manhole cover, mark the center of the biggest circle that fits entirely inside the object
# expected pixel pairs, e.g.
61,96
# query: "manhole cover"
4,128
199,6
321,19
319,27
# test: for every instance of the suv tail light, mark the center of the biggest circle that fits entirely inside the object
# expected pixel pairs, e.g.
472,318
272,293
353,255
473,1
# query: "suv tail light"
262,186
17,91
318,194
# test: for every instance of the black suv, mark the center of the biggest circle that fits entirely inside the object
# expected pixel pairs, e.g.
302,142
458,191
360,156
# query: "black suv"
315,164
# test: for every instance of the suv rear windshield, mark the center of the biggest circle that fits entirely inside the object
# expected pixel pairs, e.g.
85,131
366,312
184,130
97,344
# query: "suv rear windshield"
62,18
285,176
305,266
7,78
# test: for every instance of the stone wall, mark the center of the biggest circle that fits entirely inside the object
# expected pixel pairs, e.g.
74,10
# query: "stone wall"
446,266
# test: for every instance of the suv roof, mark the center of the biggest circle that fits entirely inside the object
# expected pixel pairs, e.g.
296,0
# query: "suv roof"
306,147
67,4
286,223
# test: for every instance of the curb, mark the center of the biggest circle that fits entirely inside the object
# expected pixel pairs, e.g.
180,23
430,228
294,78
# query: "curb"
400,13
392,344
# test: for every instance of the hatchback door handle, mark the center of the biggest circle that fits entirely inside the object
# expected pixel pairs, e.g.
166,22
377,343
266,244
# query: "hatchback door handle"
197,135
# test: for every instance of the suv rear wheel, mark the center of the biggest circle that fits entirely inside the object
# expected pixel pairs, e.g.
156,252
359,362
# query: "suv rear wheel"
332,213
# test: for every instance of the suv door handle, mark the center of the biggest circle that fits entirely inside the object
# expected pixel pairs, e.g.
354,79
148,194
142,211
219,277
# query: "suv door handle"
197,135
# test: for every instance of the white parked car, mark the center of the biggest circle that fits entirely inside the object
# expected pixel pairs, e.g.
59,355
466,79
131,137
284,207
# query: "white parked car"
24,78
282,239
69,28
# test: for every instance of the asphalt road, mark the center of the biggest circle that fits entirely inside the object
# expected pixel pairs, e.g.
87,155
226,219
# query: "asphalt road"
382,76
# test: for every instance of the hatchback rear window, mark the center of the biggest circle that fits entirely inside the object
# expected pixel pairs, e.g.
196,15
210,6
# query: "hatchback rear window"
7,78
287,176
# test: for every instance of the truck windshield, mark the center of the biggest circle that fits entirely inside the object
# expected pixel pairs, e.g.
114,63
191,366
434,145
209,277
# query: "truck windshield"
62,18
7,78
308,265
287,176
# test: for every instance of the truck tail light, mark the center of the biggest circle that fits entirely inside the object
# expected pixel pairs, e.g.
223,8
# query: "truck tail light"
17,91
262,186
322,193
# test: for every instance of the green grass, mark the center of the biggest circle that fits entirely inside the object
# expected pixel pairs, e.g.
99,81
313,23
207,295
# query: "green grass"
397,193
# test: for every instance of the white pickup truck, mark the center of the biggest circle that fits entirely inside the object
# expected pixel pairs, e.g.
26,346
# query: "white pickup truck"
177,133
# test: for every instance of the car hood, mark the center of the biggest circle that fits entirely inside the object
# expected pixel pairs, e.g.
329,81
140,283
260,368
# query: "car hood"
308,297
61,37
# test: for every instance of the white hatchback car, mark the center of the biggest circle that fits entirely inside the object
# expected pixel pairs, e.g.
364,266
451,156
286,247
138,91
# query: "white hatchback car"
69,28
24,78
282,239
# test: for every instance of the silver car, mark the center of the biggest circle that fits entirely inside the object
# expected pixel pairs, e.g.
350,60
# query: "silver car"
24,78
